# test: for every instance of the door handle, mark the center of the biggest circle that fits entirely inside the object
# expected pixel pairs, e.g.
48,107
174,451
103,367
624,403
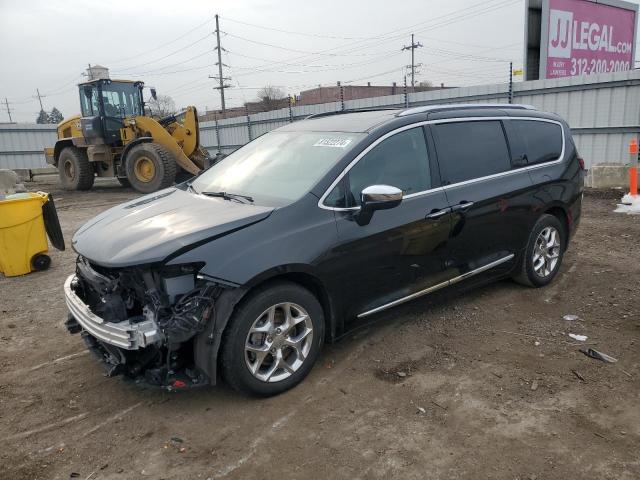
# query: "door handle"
462,207
435,214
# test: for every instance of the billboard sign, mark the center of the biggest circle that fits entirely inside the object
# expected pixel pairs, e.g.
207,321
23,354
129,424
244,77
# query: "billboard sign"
581,37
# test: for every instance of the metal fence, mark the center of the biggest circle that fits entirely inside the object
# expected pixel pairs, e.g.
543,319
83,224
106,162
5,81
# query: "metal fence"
603,111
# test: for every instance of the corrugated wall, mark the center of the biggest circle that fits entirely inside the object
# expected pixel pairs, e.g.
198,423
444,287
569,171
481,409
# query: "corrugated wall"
22,145
602,110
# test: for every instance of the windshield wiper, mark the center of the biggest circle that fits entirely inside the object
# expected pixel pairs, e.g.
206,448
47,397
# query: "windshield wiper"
228,196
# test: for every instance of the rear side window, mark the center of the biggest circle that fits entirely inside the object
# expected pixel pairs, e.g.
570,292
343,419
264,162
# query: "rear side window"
468,150
542,141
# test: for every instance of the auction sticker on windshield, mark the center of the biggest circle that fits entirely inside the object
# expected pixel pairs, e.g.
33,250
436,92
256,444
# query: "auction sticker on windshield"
333,142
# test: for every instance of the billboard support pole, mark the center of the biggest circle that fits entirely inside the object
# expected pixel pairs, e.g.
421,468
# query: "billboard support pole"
510,82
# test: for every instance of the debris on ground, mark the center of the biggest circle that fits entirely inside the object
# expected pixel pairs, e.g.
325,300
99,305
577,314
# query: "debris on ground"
599,355
630,205
580,338
579,375
10,182
571,318
534,385
438,405
421,410
401,374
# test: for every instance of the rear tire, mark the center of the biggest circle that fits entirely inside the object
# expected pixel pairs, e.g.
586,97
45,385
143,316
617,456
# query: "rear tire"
75,170
249,359
543,255
150,167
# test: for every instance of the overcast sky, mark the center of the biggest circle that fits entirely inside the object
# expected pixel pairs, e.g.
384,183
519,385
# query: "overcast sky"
170,45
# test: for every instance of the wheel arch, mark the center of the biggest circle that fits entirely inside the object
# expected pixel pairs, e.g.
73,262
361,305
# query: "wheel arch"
309,281
561,213
59,146
208,344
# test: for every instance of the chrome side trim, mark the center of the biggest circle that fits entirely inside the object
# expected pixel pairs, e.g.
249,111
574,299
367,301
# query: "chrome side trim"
128,335
560,159
438,286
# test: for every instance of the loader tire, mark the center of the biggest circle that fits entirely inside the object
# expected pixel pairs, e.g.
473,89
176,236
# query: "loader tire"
150,167
75,170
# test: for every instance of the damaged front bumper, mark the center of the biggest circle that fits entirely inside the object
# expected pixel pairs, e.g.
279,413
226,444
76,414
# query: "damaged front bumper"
128,334
144,322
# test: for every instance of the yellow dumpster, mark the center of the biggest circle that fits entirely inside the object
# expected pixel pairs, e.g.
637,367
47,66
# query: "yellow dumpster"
25,221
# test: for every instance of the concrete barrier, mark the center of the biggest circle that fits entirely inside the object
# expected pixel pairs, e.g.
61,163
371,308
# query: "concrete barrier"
608,176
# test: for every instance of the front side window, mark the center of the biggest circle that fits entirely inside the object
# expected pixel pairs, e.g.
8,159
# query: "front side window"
399,161
542,141
474,149
89,104
278,167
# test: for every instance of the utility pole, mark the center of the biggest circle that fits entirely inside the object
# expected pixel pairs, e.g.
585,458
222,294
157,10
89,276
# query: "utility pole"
40,99
510,82
6,102
412,47
220,78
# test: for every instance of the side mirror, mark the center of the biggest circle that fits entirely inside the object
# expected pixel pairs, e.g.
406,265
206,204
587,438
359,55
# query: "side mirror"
377,197
153,94
380,197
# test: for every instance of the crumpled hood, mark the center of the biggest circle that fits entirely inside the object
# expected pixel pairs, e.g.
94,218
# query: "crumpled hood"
150,228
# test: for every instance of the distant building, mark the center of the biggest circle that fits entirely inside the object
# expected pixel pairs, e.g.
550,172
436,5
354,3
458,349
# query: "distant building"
320,95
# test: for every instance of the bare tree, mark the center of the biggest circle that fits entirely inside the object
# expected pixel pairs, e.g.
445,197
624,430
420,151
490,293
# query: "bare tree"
270,97
162,106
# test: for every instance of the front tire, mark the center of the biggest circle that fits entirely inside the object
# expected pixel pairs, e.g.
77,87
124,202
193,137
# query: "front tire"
150,167
124,181
75,170
544,252
272,340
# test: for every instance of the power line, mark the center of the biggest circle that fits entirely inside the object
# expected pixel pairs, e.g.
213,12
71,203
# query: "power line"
306,34
125,60
255,69
169,54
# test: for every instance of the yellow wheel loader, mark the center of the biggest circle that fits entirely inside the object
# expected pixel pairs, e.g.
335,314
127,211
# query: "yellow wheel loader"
114,138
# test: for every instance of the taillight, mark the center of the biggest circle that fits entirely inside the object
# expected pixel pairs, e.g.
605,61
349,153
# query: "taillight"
581,162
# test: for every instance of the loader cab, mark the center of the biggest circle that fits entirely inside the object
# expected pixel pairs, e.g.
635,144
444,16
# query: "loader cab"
105,104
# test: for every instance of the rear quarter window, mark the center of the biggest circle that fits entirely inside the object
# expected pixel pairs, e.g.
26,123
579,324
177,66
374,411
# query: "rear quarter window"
473,149
542,141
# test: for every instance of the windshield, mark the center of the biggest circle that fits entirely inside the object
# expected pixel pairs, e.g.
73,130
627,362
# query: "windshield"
278,167
121,100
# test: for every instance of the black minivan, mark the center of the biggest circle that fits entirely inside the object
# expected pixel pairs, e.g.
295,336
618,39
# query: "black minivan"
313,228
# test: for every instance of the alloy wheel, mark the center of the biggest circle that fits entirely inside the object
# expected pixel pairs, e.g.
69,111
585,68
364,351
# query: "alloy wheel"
546,251
278,342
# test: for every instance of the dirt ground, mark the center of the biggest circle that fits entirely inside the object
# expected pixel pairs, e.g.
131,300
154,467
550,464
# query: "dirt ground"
483,385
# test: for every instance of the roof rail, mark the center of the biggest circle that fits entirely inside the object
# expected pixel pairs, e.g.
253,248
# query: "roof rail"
463,106
340,112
